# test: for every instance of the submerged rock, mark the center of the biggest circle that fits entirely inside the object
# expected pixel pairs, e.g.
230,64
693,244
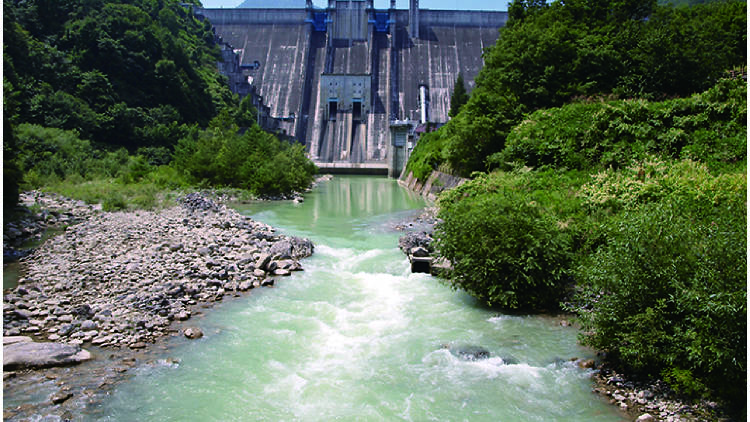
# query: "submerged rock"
469,352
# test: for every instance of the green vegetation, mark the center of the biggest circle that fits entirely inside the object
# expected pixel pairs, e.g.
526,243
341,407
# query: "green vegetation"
665,294
103,93
459,97
710,126
607,149
256,161
508,237
550,54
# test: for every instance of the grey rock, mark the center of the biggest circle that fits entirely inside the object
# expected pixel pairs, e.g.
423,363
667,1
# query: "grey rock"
419,252
15,339
60,397
263,260
293,247
193,333
41,355
469,352
65,329
88,325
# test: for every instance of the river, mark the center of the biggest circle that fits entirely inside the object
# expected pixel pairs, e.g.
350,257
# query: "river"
356,336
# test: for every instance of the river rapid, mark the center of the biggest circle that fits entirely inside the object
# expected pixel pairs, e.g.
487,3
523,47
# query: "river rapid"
356,336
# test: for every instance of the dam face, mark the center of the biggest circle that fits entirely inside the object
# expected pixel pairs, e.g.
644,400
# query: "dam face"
347,80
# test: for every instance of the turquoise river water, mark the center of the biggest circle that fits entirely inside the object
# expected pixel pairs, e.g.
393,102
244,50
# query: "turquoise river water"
356,336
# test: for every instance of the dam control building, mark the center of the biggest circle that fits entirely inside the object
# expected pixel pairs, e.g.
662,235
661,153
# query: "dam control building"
350,81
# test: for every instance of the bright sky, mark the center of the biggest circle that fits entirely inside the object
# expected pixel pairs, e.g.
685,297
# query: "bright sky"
400,4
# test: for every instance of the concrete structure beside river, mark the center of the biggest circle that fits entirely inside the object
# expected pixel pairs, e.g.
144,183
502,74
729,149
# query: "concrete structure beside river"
338,79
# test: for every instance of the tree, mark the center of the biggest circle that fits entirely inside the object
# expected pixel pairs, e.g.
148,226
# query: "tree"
459,96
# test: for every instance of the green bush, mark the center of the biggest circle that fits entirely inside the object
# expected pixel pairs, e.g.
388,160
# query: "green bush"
509,237
653,179
708,127
51,154
254,160
426,156
665,295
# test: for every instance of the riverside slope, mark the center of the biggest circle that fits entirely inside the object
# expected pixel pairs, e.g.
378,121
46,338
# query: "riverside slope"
119,279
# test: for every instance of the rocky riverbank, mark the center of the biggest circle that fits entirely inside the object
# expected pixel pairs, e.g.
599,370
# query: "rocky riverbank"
119,279
651,400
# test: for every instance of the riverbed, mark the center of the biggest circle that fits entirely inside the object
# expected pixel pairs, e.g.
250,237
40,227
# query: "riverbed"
356,336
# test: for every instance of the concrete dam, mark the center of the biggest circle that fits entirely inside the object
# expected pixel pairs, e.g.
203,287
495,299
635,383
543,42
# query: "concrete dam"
351,82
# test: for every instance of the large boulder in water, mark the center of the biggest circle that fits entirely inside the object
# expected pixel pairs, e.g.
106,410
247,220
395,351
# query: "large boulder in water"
469,352
293,247
29,354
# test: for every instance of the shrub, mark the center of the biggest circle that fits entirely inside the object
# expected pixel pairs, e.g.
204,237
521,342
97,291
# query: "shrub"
666,294
509,237
254,160
708,127
426,156
49,153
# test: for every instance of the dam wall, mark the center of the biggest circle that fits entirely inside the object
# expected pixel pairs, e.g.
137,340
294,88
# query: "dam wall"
293,56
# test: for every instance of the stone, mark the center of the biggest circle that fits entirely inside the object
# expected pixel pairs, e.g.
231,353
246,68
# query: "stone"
193,333
419,252
586,363
263,260
469,352
88,325
41,355
293,247
16,339
65,329
60,397
246,285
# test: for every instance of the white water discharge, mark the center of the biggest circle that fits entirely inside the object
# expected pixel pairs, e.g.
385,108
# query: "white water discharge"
356,336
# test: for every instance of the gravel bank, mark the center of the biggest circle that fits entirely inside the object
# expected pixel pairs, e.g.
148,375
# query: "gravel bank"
119,279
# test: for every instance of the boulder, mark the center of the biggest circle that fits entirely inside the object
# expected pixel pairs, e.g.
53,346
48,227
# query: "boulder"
469,352
419,252
26,354
15,339
293,247
412,240
193,333
263,260
60,397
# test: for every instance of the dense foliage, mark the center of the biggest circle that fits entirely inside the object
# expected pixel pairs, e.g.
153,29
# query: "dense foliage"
648,246
710,126
508,238
105,89
549,54
665,294
255,160
459,97
119,72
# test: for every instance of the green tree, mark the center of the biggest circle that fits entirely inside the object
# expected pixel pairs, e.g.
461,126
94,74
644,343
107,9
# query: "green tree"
459,97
